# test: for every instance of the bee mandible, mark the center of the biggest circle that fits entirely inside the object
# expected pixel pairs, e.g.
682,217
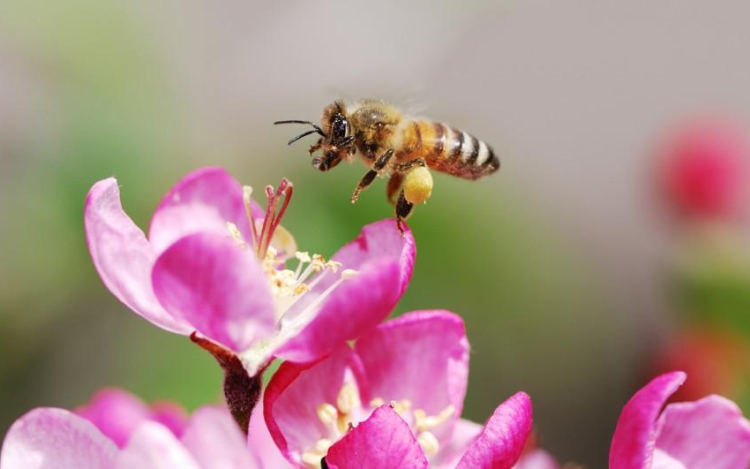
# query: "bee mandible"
397,146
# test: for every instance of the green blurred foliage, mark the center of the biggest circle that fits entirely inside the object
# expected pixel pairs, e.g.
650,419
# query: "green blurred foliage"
715,287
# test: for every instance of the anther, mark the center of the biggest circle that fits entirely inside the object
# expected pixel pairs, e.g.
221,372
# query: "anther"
327,413
401,406
424,422
429,443
323,445
236,236
377,402
348,398
312,459
303,257
348,273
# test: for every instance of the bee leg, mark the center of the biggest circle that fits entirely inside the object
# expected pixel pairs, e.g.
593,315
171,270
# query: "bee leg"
417,181
316,146
410,164
394,185
369,177
403,210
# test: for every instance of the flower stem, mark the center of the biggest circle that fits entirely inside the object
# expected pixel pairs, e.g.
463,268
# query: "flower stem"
241,391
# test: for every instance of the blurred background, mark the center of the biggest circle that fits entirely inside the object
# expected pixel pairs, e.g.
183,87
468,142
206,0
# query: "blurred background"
612,245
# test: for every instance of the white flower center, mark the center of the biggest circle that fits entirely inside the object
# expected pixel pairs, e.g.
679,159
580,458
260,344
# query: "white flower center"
340,418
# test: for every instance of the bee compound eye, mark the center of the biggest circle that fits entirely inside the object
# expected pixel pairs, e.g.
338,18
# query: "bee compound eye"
339,128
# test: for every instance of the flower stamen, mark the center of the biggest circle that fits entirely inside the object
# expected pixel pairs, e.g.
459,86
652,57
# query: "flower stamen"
340,417
429,443
247,200
236,235
283,195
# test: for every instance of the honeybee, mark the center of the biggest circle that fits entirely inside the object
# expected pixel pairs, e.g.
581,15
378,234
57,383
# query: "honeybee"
397,146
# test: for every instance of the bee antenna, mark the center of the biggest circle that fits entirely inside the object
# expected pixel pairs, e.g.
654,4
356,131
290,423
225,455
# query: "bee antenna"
305,134
317,130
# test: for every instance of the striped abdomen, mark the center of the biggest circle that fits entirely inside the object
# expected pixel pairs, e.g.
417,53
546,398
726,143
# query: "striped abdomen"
448,150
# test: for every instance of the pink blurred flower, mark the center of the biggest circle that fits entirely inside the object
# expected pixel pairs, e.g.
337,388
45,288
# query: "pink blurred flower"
537,459
215,266
401,388
704,170
708,433
118,413
716,359
49,438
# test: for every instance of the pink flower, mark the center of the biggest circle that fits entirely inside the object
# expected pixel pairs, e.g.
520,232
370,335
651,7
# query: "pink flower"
536,459
118,413
708,433
49,438
402,388
716,359
215,266
704,170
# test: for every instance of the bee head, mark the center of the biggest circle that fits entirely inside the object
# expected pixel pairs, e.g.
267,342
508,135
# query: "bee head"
335,141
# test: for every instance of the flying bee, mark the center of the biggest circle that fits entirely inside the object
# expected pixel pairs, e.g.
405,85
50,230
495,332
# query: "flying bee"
397,146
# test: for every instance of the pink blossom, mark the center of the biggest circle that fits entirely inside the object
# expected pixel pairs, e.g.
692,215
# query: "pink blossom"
49,438
402,388
536,459
218,268
704,170
118,413
708,433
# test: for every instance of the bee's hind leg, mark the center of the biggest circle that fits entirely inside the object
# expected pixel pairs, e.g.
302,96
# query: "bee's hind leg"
416,188
394,186
403,210
369,177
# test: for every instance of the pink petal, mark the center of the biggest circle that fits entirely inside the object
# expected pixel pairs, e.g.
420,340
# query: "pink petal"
537,459
662,460
202,202
501,442
383,441
381,240
384,260
122,255
153,446
354,308
216,442
171,415
116,413
464,433
633,442
48,438
293,396
261,444
217,287
710,432
421,356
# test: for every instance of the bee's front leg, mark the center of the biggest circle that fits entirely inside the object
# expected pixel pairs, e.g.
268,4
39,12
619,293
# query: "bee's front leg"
369,177
316,146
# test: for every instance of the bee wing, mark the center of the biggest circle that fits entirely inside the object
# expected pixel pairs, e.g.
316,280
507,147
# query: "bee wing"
415,106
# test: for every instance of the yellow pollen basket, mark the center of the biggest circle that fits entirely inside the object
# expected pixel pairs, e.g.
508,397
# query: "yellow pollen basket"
418,185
